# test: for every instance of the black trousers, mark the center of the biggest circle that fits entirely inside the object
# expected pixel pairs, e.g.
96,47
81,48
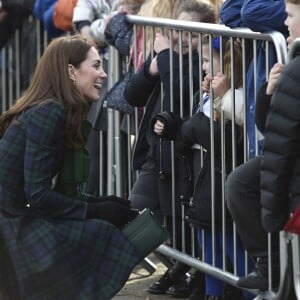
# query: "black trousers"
243,201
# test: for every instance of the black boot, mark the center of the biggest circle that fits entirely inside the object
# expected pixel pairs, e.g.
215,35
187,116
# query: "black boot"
175,275
197,294
192,287
198,286
180,290
258,278
232,292
161,285
208,297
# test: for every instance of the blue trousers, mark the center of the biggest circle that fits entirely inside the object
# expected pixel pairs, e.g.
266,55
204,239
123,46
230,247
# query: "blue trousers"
214,286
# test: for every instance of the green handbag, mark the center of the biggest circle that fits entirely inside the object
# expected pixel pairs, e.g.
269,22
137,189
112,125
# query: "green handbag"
145,232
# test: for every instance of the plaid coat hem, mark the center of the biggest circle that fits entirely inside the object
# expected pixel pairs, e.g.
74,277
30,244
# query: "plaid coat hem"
48,249
63,259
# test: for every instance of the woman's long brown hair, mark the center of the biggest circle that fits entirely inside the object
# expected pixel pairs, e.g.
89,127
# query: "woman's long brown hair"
51,81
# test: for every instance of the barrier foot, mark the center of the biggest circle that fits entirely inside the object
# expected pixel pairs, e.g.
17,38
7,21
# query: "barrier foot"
148,265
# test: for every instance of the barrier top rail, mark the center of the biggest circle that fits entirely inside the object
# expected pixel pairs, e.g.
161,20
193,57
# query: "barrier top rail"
217,29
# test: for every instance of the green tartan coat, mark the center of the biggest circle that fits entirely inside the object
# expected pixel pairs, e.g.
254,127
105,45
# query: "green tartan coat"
48,249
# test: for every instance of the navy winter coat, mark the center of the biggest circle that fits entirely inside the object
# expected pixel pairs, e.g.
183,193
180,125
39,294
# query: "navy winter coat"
259,16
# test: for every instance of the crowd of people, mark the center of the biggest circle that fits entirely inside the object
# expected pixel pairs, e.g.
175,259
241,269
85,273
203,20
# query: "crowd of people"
60,237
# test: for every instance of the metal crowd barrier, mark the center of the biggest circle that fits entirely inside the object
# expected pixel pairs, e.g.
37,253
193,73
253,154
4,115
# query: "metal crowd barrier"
275,38
118,177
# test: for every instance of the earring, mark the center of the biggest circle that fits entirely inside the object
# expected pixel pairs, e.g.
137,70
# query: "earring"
74,81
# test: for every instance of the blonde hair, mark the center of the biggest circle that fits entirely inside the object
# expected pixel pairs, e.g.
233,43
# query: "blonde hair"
237,63
217,6
156,9
133,6
159,8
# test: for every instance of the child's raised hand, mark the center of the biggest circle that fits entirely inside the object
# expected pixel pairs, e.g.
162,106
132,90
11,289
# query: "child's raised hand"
220,85
153,69
273,77
161,42
159,127
206,83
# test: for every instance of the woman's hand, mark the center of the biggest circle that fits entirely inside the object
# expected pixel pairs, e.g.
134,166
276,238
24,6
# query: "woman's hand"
159,127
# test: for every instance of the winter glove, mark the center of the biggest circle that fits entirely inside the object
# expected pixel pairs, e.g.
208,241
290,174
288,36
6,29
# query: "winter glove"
171,124
110,211
115,198
96,199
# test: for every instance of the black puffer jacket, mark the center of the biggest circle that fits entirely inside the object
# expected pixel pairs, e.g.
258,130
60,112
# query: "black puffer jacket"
280,172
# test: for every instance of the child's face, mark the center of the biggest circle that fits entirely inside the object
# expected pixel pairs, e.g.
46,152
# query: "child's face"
292,21
206,60
184,16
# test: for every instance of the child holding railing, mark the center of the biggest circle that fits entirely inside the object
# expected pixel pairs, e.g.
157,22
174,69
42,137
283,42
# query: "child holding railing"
198,130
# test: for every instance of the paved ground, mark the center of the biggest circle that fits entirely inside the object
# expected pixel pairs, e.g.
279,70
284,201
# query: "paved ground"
140,279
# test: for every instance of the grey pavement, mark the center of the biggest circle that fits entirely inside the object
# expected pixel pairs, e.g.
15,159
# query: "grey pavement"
139,280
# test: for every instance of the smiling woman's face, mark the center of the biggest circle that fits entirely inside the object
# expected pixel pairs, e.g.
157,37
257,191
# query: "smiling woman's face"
89,76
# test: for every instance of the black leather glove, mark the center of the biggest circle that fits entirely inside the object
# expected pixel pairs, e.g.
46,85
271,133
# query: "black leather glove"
110,211
97,199
115,198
